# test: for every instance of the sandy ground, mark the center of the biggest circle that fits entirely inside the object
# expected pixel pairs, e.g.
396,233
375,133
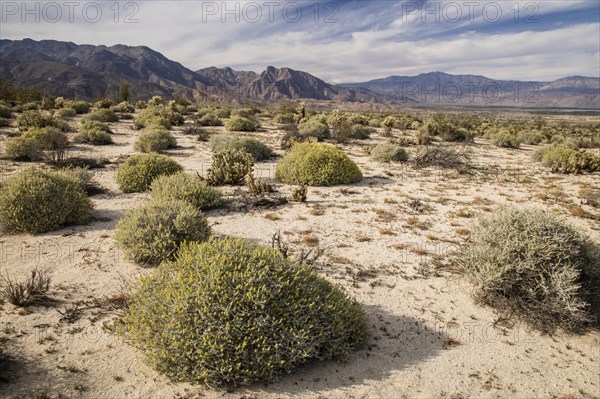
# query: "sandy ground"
427,337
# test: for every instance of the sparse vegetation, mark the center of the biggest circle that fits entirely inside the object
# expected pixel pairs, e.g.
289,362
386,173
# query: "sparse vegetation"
316,164
138,171
27,292
564,159
197,318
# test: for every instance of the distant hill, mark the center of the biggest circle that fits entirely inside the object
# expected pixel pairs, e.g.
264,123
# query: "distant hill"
88,72
443,88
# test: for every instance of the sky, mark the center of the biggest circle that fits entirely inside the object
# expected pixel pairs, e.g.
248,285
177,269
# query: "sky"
338,41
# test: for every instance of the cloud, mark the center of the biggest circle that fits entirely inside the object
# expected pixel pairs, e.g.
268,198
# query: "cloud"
342,41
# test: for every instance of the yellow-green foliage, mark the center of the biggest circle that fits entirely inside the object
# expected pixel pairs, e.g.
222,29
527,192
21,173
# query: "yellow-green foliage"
209,119
506,139
65,113
153,233
102,115
388,152
37,201
185,187
138,171
314,127
531,264
158,115
33,119
231,312
230,167
80,107
155,139
284,118
298,194
94,132
5,111
533,137
241,124
565,159
252,146
315,164
38,144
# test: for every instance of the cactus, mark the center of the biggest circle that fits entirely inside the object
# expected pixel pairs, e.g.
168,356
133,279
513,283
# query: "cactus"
230,167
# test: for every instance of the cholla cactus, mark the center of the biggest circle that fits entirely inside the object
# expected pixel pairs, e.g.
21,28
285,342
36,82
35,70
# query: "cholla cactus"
59,102
156,101
388,124
230,167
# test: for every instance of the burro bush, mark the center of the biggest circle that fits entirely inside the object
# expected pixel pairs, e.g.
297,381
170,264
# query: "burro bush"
531,264
231,312
153,233
241,124
230,167
155,139
565,159
138,171
185,187
38,144
315,164
37,201
388,152
252,146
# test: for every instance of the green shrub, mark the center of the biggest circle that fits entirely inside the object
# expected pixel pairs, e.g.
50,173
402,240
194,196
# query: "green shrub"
33,119
531,137
241,124
66,113
506,140
316,164
230,167
314,128
103,127
37,201
155,139
138,171
246,112
158,115
48,144
360,132
230,312
252,146
375,122
531,264
185,187
388,152
123,107
457,135
5,111
153,233
284,118
83,176
423,137
104,103
210,119
93,134
102,115
80,107
564,159
143,121
223,112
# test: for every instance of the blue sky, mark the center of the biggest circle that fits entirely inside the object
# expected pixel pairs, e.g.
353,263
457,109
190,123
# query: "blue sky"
339,41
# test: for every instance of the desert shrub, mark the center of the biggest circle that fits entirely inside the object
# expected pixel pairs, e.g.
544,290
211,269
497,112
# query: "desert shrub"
160,116
156,101
143,121
185,187
360,132
230,312
209,119
246,112
66,113
531,264
31,106
230,167
284,118
80,107
506,140
252,146
103,127
27,292
155,139
32,119
564,159
314,128
316,164
5,111
241,124
455,156
423,137
123,107
531,137
48,144
104,103
375,122
457,135
83,176
388,152
138,171
93,135
257,186
102,115
388,124
298,194
153,233
37,201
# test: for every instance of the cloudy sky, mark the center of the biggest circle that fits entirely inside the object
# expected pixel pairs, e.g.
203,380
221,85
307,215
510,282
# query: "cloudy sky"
339,41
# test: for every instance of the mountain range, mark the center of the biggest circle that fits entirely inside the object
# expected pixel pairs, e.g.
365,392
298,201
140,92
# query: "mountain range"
88,72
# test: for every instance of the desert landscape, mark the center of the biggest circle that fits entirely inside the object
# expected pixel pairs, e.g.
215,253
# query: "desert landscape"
388,240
